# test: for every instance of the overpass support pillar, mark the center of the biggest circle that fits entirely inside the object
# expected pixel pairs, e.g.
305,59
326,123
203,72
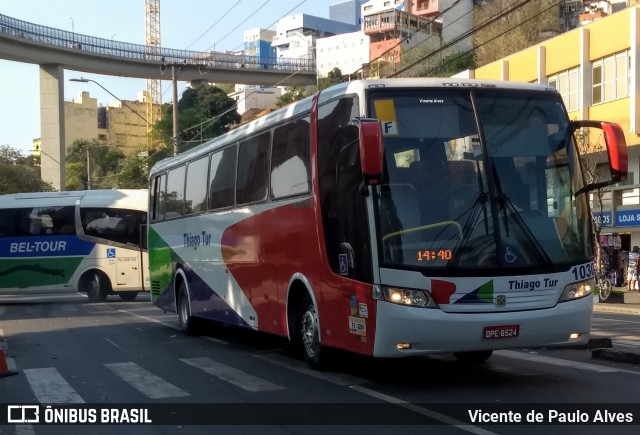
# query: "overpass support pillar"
52,140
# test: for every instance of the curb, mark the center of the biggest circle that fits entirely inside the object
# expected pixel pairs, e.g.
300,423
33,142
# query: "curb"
604,307
616,355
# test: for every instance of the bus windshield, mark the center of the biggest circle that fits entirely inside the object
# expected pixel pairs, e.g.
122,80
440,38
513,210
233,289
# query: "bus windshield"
478,180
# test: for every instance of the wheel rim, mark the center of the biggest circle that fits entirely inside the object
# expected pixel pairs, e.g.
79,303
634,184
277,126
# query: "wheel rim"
184,311
310,332
94,285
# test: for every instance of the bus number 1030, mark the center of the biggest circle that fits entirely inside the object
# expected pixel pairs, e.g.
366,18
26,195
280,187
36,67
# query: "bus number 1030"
442,254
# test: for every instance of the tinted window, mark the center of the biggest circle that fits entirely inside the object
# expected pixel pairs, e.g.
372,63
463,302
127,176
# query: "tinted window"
196,191
158,198
175,193
290,173
117,225
253,169
222,178
36,221
344,211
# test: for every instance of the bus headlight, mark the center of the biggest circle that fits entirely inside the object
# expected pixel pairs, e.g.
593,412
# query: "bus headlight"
411,297
577,290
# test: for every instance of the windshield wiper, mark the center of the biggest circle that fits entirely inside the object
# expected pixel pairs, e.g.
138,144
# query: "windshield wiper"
508,204
479,207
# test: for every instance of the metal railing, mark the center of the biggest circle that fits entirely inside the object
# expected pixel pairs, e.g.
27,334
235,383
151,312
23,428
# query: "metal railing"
107,47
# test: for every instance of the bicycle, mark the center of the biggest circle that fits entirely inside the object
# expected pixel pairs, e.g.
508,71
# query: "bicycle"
603,285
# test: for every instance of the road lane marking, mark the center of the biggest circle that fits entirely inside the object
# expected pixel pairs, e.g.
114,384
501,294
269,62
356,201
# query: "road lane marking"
232,375
114,344
343,380
151,319
146,382
50,387
423,411
561,362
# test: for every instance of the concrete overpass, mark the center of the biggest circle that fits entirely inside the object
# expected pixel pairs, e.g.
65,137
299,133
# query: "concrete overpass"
55,50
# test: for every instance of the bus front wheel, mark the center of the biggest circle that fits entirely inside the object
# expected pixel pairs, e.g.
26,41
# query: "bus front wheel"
186,321
95,286
309,332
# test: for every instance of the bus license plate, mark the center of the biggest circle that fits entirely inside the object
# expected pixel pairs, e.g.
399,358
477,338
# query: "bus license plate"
502,331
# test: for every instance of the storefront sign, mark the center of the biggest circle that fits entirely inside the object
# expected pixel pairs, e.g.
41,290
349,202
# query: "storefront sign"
627,218
605,218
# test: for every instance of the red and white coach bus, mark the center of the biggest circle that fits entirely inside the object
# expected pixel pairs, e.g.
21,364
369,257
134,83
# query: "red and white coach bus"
389,218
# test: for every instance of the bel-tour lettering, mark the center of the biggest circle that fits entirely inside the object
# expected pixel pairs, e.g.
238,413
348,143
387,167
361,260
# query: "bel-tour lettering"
46,246
195,240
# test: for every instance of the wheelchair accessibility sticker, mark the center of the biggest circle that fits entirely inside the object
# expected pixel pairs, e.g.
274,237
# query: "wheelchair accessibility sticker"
111,252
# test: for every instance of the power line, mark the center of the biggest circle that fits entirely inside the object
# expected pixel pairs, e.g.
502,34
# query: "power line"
470,32
276,21
213,25
241,23
495,37
406,38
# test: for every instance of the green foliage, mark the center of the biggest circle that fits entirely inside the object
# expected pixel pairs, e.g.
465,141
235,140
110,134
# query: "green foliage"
333,78
204,112
293,94
104,164
453,64
19,173
133,174
515,29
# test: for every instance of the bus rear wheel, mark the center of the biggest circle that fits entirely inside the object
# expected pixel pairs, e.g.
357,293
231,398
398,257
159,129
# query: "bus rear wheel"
95,285
476,357
186,322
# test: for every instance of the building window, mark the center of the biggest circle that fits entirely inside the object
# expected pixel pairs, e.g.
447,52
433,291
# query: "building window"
568,84
611,78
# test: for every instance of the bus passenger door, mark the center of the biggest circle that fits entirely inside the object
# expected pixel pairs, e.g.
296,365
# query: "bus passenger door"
128,269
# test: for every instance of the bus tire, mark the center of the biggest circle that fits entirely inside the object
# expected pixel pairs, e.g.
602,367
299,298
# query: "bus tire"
128,296
186,322
476,357
309,335
95,285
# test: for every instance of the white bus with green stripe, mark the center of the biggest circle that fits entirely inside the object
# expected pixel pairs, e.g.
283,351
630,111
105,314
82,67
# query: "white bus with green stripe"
78,241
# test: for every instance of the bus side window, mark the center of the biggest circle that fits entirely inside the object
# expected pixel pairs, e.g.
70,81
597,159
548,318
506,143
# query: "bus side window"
290,173
63,221
253,169
222,178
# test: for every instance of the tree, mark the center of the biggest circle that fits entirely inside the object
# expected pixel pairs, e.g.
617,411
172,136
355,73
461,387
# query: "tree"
19,173
502,27
104,163
333,78
204,112
591,155
134,173
291,95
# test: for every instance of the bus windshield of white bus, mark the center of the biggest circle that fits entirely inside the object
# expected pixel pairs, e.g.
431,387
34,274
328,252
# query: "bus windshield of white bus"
478,180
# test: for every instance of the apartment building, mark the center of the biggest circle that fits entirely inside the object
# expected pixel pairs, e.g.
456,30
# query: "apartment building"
118,125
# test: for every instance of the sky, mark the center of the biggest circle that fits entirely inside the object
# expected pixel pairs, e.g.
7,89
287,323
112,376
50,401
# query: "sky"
184,24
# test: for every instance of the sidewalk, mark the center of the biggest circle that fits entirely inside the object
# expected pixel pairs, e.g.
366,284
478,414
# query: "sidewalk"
620,301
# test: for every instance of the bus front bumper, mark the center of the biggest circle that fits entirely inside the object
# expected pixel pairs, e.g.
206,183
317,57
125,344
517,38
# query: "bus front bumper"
405,331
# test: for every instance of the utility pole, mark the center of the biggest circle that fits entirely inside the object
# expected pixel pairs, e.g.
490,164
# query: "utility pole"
88,170
175,110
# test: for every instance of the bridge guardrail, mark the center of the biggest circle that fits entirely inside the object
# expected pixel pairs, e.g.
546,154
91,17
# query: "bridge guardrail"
168,56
